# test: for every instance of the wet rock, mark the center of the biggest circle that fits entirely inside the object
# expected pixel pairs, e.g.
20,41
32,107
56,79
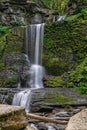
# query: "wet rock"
36,19
63,114
42,126
44,99
14,64
12,117
14,12
62,118
76,111
7,94
78,121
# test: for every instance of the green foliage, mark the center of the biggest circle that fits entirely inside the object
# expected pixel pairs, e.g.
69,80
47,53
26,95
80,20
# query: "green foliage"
17,21
8,82
59,5
55,82
4,29
84,11
73,17
64,46
79,77
54,64
79,16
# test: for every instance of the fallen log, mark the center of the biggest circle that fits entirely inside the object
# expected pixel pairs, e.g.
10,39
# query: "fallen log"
45,119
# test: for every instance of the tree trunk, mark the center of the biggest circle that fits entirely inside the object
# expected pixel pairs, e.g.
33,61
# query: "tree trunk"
46,119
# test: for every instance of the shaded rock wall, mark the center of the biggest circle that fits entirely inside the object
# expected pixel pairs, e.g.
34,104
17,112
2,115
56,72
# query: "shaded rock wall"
64,43
22,12
75,6
13,62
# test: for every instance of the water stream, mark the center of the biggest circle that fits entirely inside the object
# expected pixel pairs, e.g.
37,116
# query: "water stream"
33,47
60,18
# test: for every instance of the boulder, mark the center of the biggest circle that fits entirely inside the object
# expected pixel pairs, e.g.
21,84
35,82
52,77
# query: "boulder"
78,121
12,117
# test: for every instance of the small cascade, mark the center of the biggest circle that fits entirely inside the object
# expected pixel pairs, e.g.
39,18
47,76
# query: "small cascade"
33,50
23,99
61,18
57,18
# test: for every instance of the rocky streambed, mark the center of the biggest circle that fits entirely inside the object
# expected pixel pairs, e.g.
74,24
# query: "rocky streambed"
55,103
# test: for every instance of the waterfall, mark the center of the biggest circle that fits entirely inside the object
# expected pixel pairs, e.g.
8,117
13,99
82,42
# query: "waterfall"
36,33
33,49
60,18
23,99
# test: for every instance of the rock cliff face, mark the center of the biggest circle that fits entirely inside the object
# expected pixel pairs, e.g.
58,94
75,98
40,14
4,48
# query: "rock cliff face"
75,6
64,43
65,50
15,12
22,12
13,62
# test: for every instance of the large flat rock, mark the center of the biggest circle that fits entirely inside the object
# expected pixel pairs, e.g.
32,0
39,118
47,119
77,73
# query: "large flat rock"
12,117
50,98
47,98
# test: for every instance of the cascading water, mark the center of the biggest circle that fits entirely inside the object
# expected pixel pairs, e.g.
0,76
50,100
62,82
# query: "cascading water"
34,47
36,44
60,18
23,99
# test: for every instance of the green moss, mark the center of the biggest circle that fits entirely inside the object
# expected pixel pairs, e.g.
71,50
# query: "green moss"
59,98
65,48
65,45
11,47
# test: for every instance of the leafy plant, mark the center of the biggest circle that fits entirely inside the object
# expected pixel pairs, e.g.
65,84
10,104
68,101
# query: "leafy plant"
59,5
55,82
4,29
79,77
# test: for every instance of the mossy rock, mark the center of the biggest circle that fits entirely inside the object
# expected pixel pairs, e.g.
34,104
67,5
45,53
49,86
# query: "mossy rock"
65,44
11,60
59,98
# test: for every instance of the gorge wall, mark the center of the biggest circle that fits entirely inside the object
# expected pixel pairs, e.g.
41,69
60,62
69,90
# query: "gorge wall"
64,44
